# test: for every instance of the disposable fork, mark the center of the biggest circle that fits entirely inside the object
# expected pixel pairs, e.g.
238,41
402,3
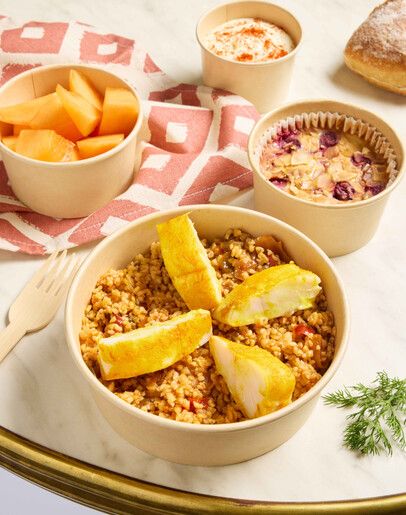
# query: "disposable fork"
40,299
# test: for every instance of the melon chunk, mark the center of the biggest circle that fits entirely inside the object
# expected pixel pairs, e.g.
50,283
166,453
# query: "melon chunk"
5,129
45,145
120,112
80,84
53,115
22,114
10,142
84,115
18,128
90,147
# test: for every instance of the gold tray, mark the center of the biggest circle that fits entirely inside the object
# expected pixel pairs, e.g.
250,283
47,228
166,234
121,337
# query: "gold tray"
118,494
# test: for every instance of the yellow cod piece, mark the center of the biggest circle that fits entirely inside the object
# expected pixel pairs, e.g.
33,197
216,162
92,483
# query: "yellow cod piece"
187,263
154,347
258,381
277,291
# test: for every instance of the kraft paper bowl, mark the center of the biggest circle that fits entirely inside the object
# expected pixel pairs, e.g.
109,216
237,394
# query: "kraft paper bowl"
266,85
337,228
194,444
73,189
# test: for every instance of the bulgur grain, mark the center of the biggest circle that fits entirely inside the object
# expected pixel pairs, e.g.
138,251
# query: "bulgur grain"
192,390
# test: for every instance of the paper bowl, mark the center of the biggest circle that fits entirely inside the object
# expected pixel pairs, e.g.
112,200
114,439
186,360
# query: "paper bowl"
266,85
337,228
74,189
180,442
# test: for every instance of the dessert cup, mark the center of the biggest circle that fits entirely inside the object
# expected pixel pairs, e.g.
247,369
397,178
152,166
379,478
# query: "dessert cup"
337,228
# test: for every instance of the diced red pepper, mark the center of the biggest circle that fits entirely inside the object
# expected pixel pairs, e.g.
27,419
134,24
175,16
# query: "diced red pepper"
271,260
119,320
302,330
203,401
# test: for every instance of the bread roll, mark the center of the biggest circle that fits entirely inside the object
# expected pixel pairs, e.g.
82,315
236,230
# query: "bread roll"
377,49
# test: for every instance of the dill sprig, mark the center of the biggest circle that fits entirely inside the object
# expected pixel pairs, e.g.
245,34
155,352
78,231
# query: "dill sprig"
380,417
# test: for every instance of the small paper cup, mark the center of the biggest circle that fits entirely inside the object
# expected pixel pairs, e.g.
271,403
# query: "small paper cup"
264,84
72,189
337,228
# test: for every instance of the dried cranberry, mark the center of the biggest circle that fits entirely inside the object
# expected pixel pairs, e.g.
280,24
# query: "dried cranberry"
358,159
329,139
375,189
343,191
292,144
288,141
287,134
302,330
279,182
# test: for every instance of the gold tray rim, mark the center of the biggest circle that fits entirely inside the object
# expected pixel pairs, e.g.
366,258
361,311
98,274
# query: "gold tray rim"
115,493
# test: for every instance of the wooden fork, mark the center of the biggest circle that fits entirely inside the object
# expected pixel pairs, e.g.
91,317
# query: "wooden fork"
40,299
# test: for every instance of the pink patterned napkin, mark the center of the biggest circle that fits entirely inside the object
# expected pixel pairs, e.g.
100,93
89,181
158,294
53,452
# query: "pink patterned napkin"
195,137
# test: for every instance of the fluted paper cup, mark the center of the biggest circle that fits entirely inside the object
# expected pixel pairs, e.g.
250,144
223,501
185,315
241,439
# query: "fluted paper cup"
337,228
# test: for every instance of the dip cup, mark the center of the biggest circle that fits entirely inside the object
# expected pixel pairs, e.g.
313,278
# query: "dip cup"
72,189
264,84
337,228
183,442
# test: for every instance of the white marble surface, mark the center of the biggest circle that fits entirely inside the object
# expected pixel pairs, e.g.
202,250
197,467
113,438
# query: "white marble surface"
45,399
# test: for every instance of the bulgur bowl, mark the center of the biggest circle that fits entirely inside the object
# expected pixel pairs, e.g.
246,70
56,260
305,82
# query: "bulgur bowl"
180,441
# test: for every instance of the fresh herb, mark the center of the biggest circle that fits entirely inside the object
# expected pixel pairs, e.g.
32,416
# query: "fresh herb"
380,417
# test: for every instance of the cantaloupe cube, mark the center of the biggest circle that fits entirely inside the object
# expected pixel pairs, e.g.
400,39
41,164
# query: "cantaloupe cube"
75,154
80,84
45,145
90,147
84,115
120,112
10,142
53,115
18,128
5,129
22,114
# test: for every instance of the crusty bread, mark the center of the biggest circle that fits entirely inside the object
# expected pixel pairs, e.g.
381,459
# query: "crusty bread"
377,49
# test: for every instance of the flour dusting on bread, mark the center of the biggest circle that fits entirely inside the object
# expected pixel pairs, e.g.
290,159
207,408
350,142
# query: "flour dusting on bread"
377,49
383,34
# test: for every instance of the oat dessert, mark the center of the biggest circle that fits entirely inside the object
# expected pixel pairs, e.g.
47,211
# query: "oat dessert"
326,166
249,40
286,355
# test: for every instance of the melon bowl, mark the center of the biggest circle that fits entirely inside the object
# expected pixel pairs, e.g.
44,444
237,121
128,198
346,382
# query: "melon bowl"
68,189
194,444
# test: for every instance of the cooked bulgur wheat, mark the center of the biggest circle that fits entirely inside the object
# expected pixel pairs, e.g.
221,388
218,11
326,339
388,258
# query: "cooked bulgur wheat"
192,390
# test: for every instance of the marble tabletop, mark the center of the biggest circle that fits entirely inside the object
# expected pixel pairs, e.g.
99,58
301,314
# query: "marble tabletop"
44,398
